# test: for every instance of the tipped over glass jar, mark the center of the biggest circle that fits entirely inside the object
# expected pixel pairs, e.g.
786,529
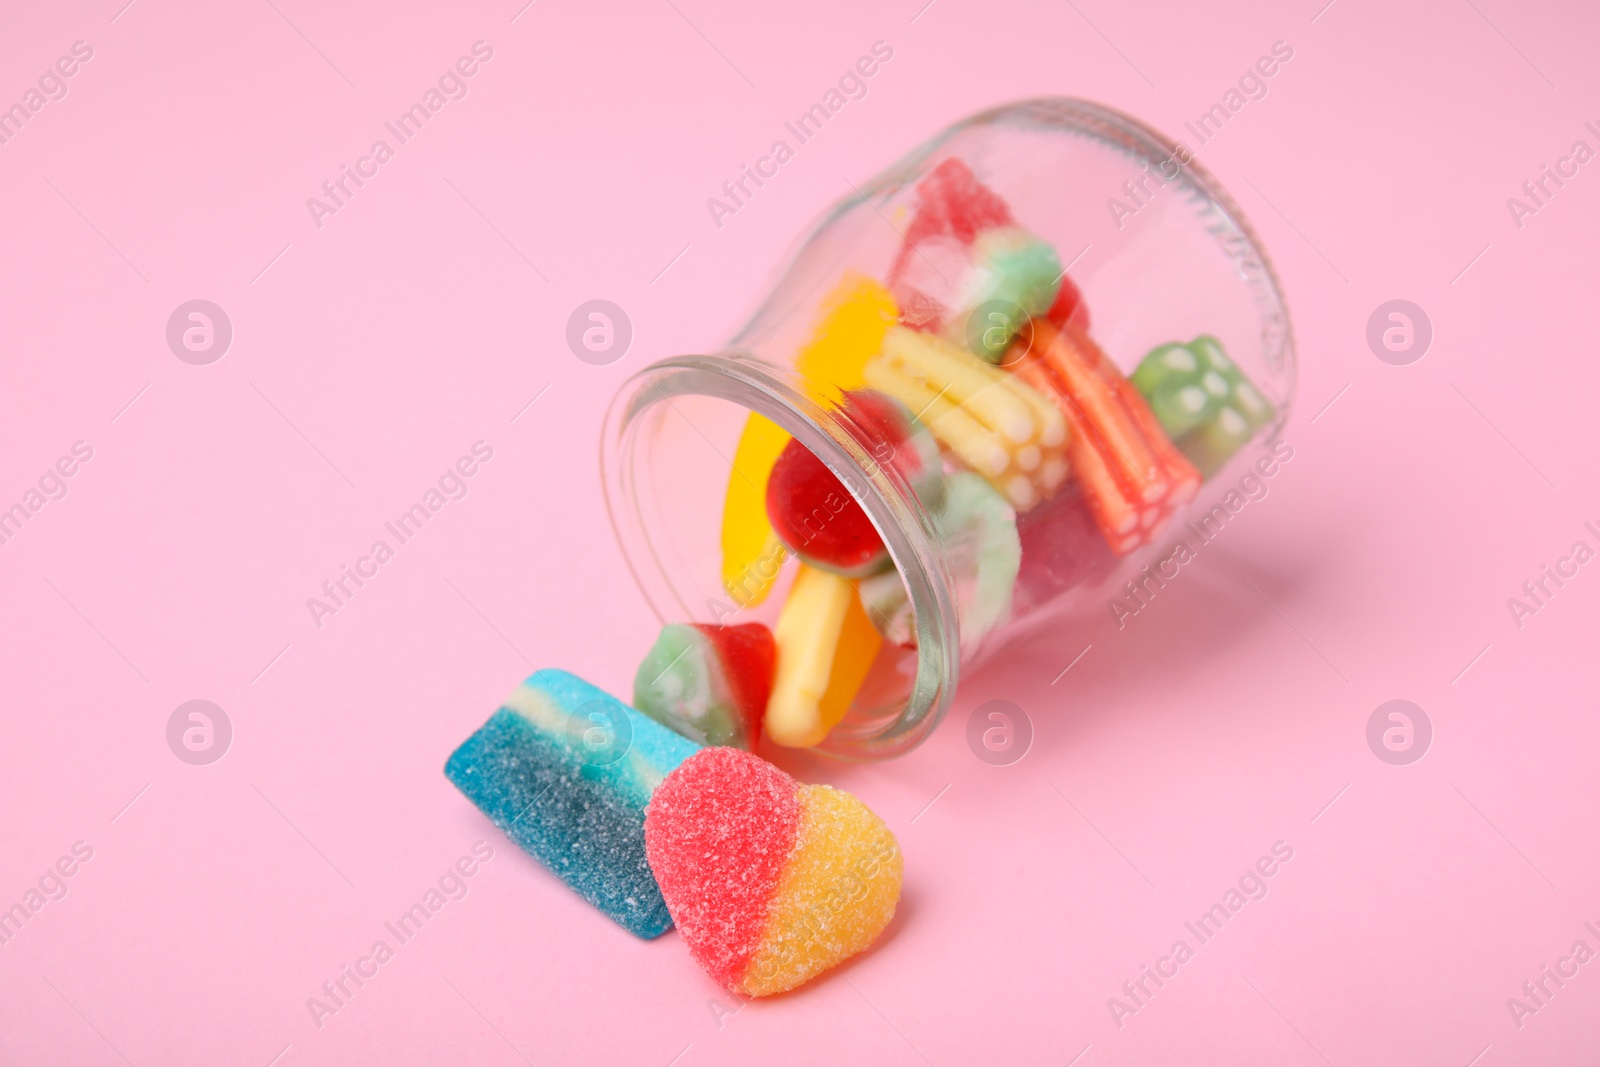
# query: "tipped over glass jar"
980,394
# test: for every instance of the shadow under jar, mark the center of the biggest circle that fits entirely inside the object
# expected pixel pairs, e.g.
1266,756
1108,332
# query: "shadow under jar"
982,393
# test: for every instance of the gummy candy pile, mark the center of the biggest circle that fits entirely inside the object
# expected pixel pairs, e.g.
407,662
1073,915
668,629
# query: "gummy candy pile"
969,375
770,882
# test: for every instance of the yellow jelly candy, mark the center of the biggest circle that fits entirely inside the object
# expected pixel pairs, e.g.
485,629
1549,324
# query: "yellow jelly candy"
826,645
837,892
751,552
856,315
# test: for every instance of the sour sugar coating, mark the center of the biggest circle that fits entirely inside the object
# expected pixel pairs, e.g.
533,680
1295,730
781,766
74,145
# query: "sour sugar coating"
565,770
1130,475
1203,400
995,422
850,331
770,882
977,533
708,683
826,645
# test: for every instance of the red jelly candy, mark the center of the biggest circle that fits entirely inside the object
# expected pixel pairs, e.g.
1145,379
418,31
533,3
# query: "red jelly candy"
749,659
1069,306
717,836
817,518
950,200
1062,547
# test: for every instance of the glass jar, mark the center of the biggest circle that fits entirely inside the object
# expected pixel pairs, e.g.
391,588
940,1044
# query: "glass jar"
1044,434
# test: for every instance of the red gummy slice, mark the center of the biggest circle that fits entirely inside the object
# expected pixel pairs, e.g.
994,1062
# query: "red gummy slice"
1069,306
879,424
749,660
813,513
1062,547
717,834
951,200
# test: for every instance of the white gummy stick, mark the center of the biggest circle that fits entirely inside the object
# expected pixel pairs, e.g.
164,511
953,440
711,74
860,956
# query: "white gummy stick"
975,385
975,443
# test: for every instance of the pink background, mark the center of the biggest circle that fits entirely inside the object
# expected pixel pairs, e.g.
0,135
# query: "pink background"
376,350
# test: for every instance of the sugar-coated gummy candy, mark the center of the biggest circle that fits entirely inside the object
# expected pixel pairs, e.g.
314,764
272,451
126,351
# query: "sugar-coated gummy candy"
770,882
1069,306
977,537
951,202
826,645
953,208
565,770
708,683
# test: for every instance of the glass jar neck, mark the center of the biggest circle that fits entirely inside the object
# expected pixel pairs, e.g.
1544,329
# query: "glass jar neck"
893,508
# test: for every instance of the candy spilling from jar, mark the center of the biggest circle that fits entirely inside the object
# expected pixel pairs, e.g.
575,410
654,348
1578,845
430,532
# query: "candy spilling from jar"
970,377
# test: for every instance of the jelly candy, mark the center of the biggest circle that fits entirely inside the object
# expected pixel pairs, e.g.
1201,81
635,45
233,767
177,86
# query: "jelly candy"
751,552
817,517
1203,401
854,317
709,683
826,645
1013,276
565,770
1131,476
953,208
977,533
995,422
951,202
770,882
1069,306
1061,548
893,436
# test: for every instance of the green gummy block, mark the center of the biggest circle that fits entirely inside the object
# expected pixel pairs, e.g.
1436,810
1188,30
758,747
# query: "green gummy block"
1202,399
1018,274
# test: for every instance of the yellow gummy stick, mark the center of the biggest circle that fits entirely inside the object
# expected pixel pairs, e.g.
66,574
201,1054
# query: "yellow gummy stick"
826,645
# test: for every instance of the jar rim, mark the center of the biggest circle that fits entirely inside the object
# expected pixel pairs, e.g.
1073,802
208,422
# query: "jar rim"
891,506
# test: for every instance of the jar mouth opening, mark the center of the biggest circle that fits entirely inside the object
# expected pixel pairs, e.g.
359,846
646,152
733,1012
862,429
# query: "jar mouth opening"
893,509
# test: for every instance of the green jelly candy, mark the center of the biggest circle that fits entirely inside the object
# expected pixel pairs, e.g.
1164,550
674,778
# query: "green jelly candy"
1202,400
977,531
1014,276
